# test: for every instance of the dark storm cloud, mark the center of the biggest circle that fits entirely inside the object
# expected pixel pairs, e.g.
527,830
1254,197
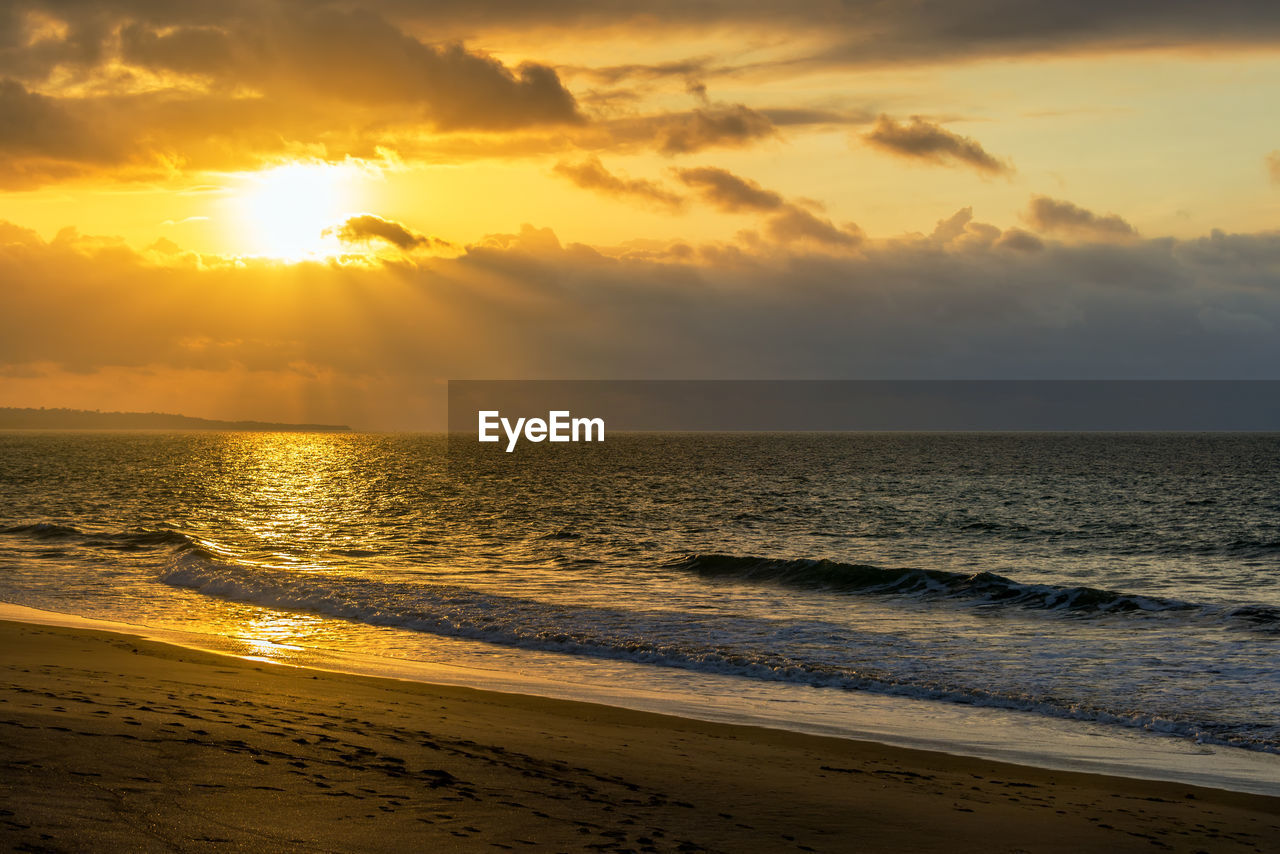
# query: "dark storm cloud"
1054,215
922,140
368,227
590,174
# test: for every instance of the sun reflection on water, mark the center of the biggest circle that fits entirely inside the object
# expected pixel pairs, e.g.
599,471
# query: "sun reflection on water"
293,497
264,635
292,500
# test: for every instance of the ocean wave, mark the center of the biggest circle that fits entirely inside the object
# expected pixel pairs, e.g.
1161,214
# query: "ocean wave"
561,534
979,588
134,539
141,539
43,531
1253,548
667,639
1261,615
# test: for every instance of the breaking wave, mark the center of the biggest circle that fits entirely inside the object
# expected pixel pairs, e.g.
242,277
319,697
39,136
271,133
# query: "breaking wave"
980,588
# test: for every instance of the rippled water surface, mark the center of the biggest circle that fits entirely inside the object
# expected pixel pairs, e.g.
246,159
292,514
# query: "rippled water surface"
1131,579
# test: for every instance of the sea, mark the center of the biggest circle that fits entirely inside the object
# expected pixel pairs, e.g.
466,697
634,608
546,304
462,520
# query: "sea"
1092,601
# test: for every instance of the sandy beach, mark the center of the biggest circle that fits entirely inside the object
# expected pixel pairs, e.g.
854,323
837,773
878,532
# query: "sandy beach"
113,743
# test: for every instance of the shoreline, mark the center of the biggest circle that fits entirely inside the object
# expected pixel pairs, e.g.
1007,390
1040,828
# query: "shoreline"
979,732
112,741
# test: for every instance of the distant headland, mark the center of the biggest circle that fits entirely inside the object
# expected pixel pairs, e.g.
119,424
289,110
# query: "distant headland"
13,418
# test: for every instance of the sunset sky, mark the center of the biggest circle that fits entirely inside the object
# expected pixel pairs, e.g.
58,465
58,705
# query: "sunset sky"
322,211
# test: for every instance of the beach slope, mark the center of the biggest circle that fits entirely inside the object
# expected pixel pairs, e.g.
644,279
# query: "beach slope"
112,743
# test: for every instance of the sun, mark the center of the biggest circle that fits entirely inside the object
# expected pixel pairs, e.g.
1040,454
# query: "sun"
287,212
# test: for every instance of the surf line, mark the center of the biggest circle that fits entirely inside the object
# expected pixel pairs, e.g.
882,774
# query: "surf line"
558,426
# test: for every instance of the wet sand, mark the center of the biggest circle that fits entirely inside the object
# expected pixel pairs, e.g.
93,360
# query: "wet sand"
113,743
